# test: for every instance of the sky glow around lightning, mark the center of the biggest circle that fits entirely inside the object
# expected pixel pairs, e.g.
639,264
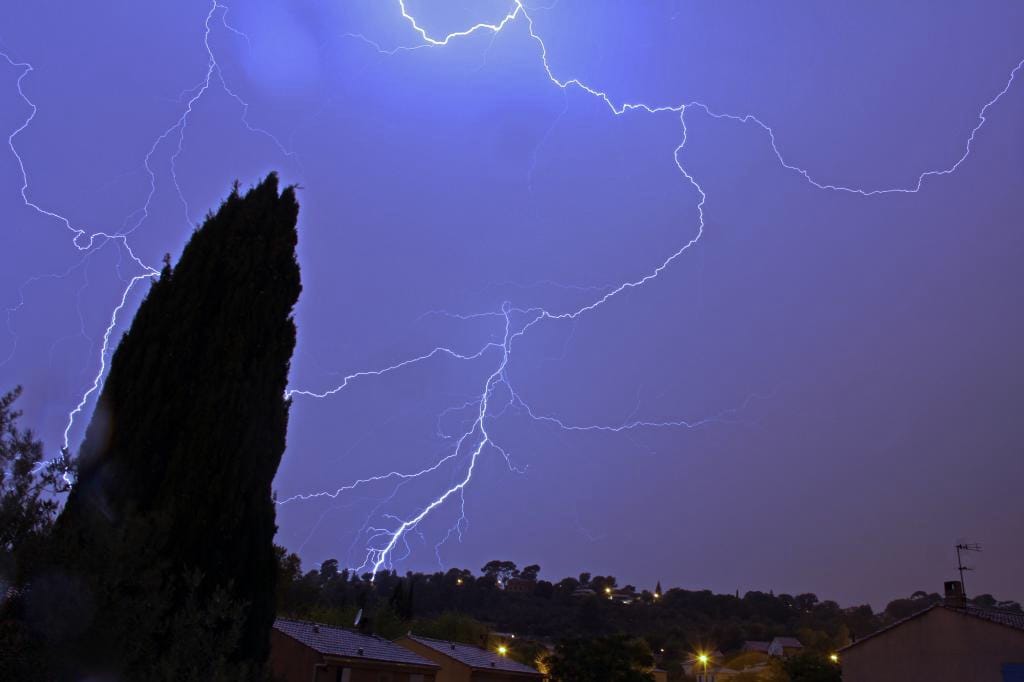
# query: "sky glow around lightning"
379,556
384,535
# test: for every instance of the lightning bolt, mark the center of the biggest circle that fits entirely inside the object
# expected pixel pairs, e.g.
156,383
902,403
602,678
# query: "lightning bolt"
497,394
89,242
382,542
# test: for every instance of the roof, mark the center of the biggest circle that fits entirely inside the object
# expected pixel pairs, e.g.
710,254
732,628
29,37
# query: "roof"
1011,619
788,642
752,645
474,657
334,641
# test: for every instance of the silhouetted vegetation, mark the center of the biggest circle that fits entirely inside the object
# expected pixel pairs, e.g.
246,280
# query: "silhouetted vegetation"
27,508
161,565
26,516
600,659
461,606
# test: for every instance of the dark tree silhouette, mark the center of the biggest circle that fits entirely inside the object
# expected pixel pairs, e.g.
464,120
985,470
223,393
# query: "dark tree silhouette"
172,510
26,514
603,659
812,667
530,572
25,510
502,571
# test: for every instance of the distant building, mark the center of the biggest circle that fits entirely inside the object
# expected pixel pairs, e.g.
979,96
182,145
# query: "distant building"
626,595
583,592
946,641
521,585
759,647
465,663
784,646
302,652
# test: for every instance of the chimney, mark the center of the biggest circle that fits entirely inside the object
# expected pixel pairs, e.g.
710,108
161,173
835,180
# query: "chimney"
955,598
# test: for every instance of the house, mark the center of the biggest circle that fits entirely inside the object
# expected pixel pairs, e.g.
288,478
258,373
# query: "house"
947,641
784,646
520,585
301,651
465,663
626,595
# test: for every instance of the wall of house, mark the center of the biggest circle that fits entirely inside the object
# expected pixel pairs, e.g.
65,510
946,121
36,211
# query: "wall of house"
290,660
498,676
373,673
939,645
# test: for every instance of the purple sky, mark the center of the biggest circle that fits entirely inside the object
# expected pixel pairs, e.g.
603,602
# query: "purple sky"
820,394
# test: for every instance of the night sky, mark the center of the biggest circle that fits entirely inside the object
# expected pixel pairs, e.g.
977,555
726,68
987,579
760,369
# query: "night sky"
822,393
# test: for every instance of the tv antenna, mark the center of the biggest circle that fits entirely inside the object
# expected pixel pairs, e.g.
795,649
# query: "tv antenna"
965,547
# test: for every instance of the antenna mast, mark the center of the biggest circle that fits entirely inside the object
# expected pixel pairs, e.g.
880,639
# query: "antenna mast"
965,547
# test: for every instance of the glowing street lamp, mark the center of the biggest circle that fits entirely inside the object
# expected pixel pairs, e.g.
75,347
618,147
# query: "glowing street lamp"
834,658
502,650
703,659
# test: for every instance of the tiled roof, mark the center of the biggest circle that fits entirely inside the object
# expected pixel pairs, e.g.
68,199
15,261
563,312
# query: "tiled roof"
334,641
788,642
1011,619
473,656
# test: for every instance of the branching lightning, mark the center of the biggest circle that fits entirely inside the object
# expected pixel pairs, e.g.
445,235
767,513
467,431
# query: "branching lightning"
89,242
497,394
378,556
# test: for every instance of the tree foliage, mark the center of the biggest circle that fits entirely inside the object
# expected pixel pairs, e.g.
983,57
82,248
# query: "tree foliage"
603,659
26,508
812,667
501,571
167,534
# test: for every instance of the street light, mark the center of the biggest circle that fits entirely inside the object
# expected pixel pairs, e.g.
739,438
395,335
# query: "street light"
502,650
834,658
703,658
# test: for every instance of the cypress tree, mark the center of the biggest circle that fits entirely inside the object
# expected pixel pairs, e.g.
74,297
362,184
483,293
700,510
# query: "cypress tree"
166,538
